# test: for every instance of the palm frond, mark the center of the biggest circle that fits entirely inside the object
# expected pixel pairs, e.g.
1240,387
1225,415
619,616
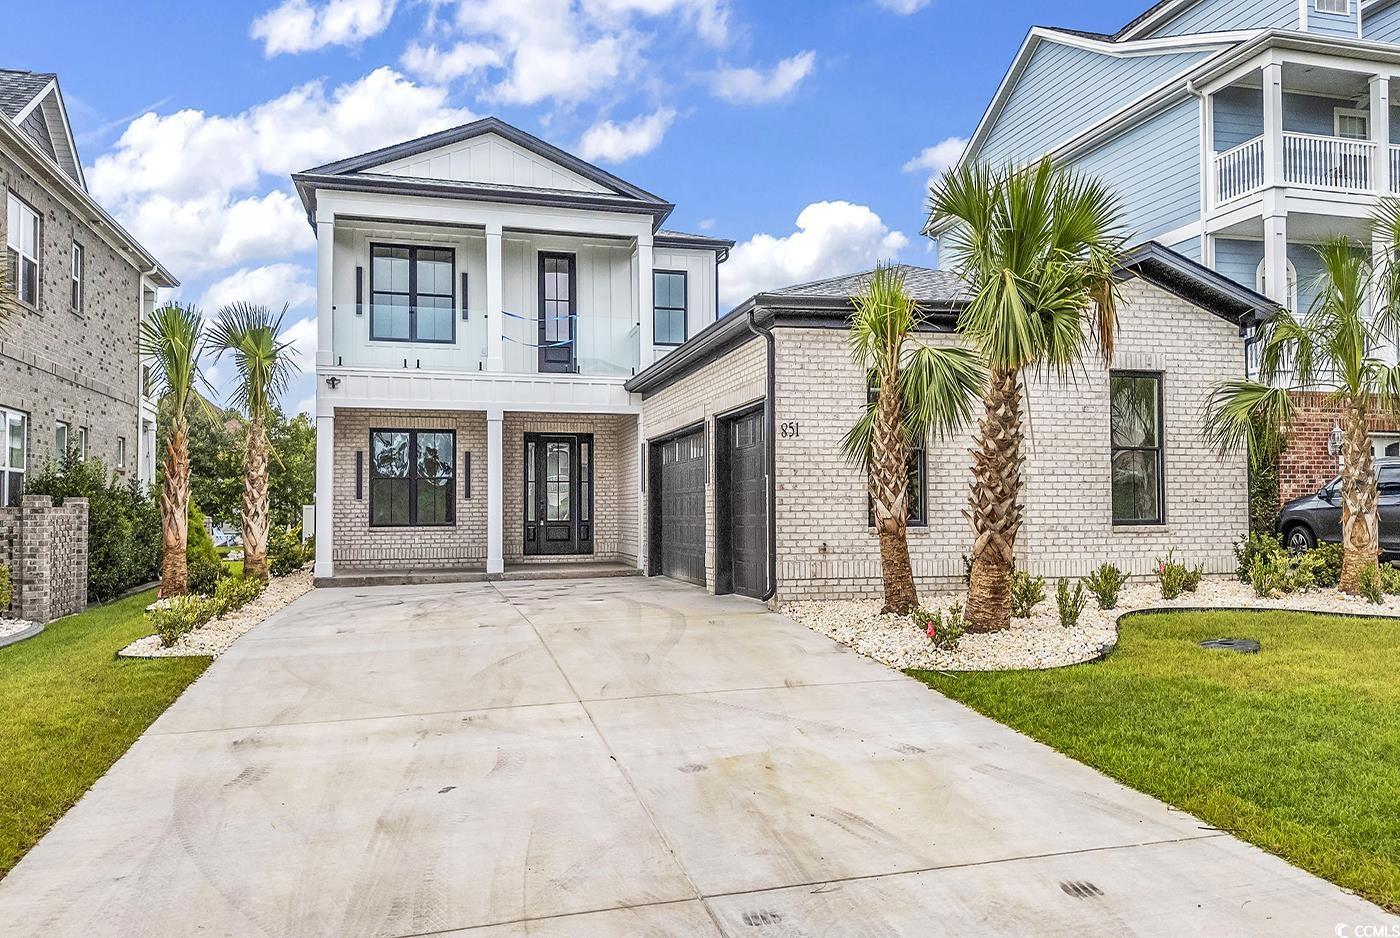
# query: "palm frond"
252,335
171,339
1241,413
939,386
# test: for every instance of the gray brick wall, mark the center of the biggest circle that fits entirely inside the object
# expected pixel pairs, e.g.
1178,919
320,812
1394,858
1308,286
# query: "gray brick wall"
356,545
826,547
79,367
45,548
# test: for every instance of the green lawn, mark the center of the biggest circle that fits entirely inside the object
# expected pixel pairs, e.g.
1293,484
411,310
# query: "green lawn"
70,709
1296,749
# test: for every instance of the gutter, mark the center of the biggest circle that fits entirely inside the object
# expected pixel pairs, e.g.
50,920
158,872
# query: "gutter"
770,420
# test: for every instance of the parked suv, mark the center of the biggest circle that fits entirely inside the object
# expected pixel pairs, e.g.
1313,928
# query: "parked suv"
1306,521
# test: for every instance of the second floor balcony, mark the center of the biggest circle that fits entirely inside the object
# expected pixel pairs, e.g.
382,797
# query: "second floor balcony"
1309,161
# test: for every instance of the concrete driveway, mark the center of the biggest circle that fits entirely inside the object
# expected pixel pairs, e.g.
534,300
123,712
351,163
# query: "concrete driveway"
614,757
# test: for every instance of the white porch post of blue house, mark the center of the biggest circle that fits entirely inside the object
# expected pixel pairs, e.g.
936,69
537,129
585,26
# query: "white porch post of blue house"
1380,133
1273,125
495,493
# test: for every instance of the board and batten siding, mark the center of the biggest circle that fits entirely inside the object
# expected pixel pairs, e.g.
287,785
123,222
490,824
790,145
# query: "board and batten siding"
1155,170
1214,16
1064,90
1383,25
490,159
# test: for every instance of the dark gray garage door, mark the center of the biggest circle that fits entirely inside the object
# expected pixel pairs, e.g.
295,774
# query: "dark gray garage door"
742,528
679,504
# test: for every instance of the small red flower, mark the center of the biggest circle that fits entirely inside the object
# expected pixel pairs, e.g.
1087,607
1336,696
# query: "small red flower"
932,631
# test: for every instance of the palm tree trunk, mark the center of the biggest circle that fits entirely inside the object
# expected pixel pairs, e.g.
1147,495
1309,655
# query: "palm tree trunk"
1360,525
255,507
993,508
889,493
174,512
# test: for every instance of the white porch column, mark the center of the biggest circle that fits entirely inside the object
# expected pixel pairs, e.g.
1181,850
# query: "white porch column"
646,317
1273,125
325,495
1380,133
495,493
1276,258
325,295
495,300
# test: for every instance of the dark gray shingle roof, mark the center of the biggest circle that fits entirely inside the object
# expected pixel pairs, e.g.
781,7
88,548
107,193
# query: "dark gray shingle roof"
926,286
18,88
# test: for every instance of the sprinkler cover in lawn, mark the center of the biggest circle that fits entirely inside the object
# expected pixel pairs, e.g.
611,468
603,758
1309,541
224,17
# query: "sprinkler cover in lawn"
1245,646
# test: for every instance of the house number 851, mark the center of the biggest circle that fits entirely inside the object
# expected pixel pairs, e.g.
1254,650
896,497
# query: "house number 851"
790,429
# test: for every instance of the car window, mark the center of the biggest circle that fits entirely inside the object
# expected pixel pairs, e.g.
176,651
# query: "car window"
1388,480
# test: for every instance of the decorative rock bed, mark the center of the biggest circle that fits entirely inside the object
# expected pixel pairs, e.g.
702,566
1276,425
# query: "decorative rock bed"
17,630
214,638
1041,642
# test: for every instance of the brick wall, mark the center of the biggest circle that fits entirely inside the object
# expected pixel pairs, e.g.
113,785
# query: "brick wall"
46,549
1304,465
737,379
614,482
76,366
825,544
356,545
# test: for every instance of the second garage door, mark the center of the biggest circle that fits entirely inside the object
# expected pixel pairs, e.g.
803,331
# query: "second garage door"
679,503
741,530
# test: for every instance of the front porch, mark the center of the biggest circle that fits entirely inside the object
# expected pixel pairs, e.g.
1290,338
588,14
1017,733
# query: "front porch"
456,495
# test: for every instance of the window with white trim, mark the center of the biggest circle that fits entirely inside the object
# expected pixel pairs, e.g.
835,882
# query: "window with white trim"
75,278
14,455
1261,286
1339,7
82,442
1351,124
121,452
22,249
62,434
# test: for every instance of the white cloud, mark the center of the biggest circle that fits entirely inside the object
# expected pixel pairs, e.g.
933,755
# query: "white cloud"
938,159
832,238
617,142
307,406
710,18
903,7
443,66
297,26
272,285
754,86
187,184
706,224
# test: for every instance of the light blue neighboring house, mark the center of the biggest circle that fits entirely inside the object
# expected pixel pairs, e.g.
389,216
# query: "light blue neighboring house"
1240,133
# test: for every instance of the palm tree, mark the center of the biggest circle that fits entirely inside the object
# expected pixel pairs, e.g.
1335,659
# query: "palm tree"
170,338
916,390
1332,346
252,335
1036,247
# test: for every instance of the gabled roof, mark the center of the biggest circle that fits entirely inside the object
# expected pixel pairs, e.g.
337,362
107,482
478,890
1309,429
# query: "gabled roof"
941,296
356,173
684,239
19,88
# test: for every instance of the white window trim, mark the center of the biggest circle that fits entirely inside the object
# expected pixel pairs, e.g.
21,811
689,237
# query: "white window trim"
121,452
1346,11
1340,112
77,272
67,428
6,469
36,259
1259,285
82,442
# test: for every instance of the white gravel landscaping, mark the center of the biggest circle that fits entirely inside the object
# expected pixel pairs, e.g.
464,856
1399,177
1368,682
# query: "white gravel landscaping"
214,638
10,627
1040,641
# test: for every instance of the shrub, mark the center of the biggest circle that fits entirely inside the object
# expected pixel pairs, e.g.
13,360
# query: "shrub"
7,588
1256,545
1368,581
1390,580
945,630
1192,580
1329,564
1286,572
1027,592
1071,603
180,615
1173,577
123,523
285,551
235,592
205,566
1105,583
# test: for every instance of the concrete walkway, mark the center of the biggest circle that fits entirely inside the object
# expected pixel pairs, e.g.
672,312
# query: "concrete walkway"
615,757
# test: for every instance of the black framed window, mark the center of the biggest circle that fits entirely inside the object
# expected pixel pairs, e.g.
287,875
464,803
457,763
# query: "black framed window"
412,478
917,481
1135,431
411,294
669,304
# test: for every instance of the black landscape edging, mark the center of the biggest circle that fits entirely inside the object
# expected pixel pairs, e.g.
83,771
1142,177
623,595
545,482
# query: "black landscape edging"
17,637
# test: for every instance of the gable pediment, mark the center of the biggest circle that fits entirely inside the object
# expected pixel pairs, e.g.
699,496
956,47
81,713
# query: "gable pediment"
491,159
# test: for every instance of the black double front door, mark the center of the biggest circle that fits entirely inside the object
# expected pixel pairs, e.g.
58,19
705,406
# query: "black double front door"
558,493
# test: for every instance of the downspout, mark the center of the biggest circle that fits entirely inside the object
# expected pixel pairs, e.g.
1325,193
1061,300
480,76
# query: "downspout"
770,421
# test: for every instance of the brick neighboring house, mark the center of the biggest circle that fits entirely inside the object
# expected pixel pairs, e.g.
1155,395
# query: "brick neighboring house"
710,408
70,373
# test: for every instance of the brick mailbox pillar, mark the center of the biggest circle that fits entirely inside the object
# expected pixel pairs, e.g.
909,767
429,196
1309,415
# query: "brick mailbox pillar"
48,558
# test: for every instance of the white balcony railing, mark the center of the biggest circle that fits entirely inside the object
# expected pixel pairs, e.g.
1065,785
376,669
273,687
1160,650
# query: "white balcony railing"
1310,161
1239,170
1319,162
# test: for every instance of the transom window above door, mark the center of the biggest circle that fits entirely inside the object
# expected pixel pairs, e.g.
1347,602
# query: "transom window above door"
411,294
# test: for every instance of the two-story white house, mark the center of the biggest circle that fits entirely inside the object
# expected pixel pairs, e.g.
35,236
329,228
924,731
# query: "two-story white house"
1241,133
483,298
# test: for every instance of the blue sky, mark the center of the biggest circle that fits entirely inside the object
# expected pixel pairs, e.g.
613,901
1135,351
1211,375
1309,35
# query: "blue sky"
806,131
